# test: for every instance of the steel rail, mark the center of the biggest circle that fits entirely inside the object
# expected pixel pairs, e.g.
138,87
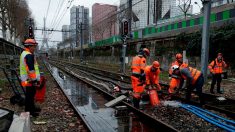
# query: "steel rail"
155,123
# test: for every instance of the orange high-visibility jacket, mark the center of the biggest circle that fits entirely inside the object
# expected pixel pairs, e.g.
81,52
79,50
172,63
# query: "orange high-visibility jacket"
138,64
151,77
194,73
172,64
216,67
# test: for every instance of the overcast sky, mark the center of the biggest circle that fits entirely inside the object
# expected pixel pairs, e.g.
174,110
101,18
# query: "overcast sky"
39,11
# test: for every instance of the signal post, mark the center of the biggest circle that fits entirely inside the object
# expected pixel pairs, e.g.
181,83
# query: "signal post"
125,32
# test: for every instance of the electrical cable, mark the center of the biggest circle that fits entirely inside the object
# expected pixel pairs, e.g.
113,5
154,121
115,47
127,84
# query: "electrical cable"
212,114
207,118
58,8
48,7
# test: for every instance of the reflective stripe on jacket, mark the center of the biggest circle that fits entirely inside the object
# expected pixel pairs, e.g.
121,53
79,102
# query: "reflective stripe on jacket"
216,67
25,75
138,64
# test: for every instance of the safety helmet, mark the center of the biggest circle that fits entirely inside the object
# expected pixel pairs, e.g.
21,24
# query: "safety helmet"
146,51
178,56
30,42
156,64
174,67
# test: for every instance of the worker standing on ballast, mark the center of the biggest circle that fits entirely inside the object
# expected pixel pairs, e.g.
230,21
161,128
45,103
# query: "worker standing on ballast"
138,75
30,75
216,69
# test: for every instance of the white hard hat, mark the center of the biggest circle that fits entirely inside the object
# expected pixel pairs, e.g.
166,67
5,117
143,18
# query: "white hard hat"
174,67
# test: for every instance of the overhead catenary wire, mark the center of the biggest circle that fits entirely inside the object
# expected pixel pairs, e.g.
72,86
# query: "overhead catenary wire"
61,14
48,8
59,20
58,9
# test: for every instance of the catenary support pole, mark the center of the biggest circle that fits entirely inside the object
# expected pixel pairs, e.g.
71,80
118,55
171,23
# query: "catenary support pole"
205,37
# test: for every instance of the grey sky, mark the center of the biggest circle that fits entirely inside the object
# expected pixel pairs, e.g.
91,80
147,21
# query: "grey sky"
39,10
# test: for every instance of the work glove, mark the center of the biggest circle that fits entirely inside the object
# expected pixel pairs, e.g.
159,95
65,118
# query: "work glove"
147,87
157,86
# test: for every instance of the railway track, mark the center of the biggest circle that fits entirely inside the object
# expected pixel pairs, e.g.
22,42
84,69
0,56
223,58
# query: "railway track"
213,102
143,117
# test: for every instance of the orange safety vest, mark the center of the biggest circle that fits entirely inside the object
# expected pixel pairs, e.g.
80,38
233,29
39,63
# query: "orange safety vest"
194,73
138,64
216,67
151,77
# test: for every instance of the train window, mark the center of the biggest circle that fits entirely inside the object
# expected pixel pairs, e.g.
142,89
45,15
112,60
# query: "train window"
232,13
219,16
160,29
166,27
180,25
197,21
187,23
172,26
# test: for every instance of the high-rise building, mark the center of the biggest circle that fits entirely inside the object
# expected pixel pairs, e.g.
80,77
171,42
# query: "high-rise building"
150,13
65,32
144,13
79,16
140,10
104,21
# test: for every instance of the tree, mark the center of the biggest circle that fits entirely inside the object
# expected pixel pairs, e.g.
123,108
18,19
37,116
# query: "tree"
184,6
12,16
3,11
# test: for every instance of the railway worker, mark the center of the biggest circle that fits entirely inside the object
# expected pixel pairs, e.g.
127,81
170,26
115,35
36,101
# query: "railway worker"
175,81
30,75
138,75
216,68
194,80
152,82
152,76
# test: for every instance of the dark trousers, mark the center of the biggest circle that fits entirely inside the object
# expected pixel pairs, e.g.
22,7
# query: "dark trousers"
136,102
216,78
29,99
198,86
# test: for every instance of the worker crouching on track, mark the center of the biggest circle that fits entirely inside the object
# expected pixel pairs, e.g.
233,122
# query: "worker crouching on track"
216,68
152,82
30,75
194,80
138,75
175,81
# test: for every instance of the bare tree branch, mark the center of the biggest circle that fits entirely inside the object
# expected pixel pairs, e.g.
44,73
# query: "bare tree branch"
186,6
